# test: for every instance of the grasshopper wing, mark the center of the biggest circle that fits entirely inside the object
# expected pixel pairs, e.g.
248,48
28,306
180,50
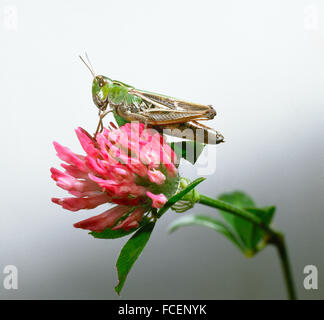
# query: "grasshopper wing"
160,110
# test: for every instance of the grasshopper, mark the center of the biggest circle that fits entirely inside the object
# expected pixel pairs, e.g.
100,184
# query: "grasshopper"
167,115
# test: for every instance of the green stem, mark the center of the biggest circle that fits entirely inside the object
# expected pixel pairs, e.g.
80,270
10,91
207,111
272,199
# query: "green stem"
225,206
279,243
275,237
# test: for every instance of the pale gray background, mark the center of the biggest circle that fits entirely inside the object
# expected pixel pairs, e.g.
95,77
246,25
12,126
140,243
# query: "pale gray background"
260,63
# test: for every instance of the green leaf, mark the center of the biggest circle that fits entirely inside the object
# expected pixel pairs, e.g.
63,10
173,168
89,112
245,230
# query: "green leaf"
188,150
238,199
130,252
242,227
248,232
179,196
111,234
266,214
114,234
209,222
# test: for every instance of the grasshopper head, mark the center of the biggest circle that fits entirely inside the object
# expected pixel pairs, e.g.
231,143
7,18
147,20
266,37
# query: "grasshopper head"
100,86
100,89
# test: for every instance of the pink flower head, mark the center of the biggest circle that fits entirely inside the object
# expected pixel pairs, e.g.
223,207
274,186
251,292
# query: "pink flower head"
130,166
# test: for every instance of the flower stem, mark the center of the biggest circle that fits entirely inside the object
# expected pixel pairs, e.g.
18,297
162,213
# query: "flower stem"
225,206
279,243
274,237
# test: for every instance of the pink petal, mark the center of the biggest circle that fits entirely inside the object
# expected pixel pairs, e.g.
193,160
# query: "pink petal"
158,200
75,204
149,157
72,184
126,201
156,176
121,172
87,142
170,153
131,221
118,188
74,171
65,154
95,166
104,220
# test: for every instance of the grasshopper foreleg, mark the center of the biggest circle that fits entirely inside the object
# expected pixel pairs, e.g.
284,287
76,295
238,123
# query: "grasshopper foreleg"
100,123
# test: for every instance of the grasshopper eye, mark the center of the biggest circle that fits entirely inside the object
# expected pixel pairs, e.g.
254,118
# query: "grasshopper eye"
101,83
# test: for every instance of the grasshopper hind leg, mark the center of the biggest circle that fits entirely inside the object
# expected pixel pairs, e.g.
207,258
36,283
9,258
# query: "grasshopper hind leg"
193,131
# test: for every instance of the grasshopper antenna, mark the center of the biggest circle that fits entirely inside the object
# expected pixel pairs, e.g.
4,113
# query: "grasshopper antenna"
88,65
